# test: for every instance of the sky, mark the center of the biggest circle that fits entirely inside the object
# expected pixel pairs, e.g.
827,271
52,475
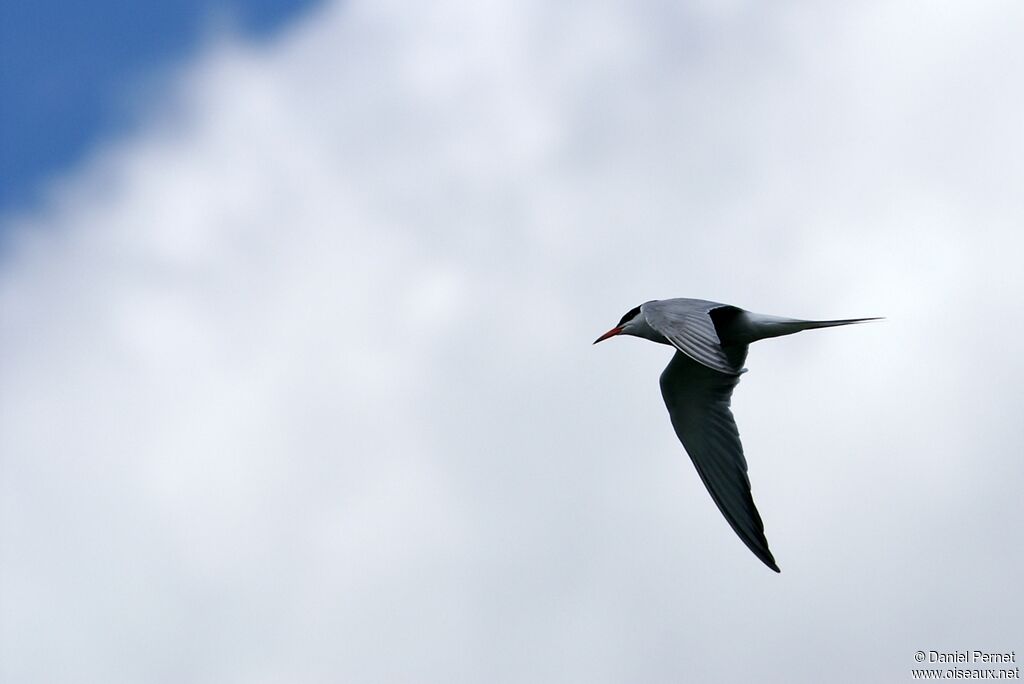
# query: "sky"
71,74
298,384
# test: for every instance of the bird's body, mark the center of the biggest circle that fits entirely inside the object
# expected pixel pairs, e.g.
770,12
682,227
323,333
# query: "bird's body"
711,342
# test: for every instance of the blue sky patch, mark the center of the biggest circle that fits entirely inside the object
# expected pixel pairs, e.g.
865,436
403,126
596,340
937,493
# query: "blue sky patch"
65,68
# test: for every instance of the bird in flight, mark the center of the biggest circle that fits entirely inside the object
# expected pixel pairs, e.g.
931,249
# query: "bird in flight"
711,341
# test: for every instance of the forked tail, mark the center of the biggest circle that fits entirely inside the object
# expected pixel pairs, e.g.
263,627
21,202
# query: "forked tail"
795,325
743,327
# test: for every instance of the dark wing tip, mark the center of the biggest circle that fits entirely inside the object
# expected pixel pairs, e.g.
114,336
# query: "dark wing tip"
761,551
763,554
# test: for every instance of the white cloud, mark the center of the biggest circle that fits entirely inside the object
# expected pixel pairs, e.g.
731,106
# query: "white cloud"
297,383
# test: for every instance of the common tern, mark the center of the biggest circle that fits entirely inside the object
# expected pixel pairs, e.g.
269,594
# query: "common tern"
711,341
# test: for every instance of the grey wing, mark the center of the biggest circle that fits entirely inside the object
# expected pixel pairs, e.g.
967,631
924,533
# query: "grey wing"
698,401
688,325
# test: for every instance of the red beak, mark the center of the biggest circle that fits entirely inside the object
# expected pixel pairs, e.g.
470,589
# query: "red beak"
611,333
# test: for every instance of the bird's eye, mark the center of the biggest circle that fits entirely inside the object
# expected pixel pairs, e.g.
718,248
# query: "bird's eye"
629,316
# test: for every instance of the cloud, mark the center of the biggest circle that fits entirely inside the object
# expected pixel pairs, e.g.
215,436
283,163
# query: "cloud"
297,380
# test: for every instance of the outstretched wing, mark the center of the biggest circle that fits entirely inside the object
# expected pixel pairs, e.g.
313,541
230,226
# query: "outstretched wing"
687,324
698,401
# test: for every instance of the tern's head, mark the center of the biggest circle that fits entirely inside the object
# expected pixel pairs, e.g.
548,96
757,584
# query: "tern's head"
627,325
